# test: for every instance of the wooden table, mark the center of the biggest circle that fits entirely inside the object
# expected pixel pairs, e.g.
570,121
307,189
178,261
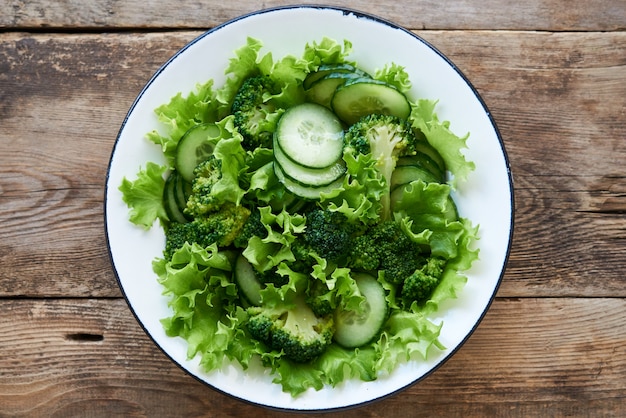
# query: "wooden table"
553,74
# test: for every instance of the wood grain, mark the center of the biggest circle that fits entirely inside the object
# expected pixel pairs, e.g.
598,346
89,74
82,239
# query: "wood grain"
63,98
90,358
552,75
553,15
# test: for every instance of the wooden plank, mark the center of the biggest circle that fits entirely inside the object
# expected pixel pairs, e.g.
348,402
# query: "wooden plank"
552,15
560,107
529,357
560,112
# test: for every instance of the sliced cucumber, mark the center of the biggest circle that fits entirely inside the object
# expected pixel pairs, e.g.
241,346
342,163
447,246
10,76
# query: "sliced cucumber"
170,204
326,69
305,175
408,173
363,96
311,135
322,91
305,191
354,329
196,146
246,279
422,160
451,212
426,148
182,191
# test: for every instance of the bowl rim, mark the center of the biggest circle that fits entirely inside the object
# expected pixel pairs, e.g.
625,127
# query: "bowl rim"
358,14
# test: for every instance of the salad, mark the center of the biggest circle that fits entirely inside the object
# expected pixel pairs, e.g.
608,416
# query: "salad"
308,216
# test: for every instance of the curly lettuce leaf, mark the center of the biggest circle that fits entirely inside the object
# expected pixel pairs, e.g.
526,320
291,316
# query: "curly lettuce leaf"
144,195
333,367
423,214
268,252
234,162
182,113
327,51
439,135
395,75
202,296
340,284
246,63
359,196
405,335
453,280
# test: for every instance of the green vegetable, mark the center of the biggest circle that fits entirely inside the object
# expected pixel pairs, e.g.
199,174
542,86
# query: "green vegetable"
388,249
291,328
144,196
293,230
386,138
422,283
359,97
220,227
355,328
256,114
329,234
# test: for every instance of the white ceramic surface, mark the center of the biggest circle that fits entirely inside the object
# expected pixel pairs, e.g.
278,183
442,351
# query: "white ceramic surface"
486,198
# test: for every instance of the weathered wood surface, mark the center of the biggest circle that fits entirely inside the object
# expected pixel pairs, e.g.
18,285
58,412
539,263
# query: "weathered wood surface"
553,75
551,15
559,101
529,357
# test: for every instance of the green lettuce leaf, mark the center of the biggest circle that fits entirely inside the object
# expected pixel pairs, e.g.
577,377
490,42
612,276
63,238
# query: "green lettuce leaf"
339,282
406,334
234,162
440,136
327,51
422,210
202,297
359,196
395,75
182,113
144,195
268,252
453,279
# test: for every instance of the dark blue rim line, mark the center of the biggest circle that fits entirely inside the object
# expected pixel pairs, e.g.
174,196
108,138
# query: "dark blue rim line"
345,11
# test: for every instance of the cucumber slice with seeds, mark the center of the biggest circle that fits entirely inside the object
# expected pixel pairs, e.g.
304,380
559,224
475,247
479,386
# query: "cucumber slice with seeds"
305,191
355,329
310,135
363,96
308,176
322,91
196,146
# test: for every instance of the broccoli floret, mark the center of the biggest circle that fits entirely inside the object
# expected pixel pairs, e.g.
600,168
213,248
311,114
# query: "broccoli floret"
420,285
386,247
386,138
255,115
329,234
295,330
253,227
304,261
221,227
321,300
206,175
271,276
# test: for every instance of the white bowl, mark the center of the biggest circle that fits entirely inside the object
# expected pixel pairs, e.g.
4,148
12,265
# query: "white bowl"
486,198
